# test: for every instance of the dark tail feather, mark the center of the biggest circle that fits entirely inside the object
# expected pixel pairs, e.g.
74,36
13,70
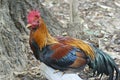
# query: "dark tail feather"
104,64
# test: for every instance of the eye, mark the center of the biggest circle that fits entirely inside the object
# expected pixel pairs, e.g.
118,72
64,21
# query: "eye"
36,16
37,21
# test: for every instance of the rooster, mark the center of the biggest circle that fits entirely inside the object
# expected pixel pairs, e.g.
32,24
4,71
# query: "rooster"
63,53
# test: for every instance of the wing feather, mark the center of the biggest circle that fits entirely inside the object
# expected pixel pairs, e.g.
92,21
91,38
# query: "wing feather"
86,48
60,50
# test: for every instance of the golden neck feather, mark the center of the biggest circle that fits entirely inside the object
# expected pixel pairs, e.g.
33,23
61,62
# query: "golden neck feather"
41,36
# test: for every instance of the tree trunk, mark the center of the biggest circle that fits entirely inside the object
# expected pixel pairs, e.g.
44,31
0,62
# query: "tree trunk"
14,46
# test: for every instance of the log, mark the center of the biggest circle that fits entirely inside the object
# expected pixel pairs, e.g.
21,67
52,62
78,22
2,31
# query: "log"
50,74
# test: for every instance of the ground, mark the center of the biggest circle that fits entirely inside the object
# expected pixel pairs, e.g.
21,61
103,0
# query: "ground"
100,22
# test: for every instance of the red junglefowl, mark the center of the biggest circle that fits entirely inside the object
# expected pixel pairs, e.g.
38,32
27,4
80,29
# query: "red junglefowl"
63,53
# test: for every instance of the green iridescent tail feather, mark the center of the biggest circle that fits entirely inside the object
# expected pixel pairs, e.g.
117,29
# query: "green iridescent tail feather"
103,64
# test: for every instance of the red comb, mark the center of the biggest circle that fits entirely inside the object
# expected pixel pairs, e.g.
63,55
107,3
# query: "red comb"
32,14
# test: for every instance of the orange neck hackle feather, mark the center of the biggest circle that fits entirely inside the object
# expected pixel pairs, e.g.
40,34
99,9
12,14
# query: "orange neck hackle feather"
41,35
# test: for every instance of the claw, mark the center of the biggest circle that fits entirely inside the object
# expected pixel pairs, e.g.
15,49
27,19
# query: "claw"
56,71
63,73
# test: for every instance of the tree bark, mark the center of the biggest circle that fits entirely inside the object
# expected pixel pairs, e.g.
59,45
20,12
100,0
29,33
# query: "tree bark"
14,46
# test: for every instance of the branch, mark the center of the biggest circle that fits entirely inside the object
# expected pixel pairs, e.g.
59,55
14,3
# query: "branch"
49,74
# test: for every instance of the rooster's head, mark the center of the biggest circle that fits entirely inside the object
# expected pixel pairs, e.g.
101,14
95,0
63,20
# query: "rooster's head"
33,19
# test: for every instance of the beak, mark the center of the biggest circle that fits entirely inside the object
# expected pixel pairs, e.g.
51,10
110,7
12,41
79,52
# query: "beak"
28,25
